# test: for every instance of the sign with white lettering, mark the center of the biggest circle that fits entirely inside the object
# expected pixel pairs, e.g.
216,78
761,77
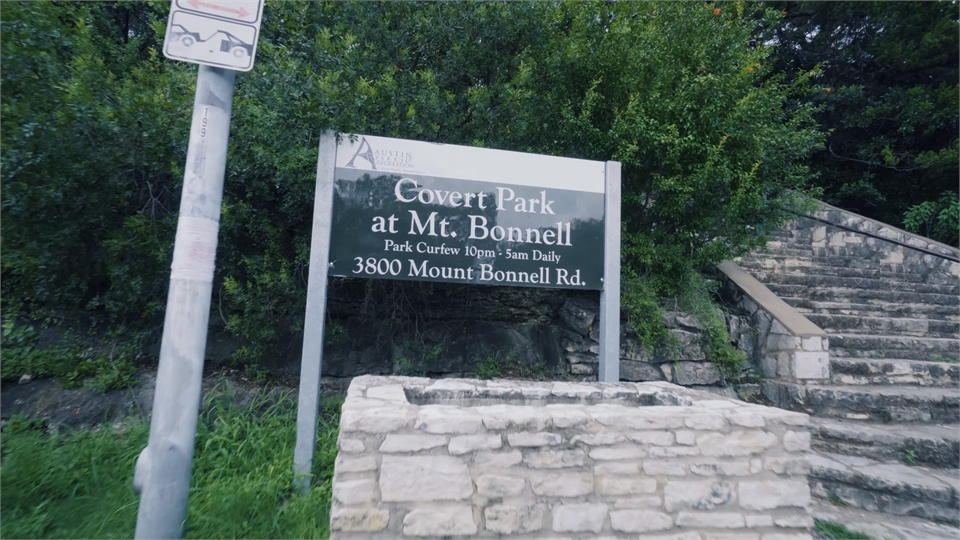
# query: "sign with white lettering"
217,33
433,212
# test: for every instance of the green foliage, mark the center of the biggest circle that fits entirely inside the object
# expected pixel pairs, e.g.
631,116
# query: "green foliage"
77,485
697,298
838,531
102,370
488,368
887,77
642,301
938,220
713,142
910,457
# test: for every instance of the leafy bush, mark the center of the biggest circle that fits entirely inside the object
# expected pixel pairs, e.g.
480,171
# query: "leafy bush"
713,143
938,220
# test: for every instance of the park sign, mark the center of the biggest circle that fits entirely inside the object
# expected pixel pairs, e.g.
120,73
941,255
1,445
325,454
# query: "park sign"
215,33
398,209
434,212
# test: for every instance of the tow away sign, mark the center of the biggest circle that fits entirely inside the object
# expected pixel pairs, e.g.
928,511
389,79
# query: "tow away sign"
218,33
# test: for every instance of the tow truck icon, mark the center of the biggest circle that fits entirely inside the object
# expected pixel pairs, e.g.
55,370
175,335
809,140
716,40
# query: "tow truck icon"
228,44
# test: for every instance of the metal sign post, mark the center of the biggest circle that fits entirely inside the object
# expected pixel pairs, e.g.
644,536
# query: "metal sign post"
610,295
163,469
162,475
314,322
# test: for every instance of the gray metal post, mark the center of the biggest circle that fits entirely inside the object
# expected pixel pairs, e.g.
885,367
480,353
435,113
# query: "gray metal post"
163,469
314,322
610,295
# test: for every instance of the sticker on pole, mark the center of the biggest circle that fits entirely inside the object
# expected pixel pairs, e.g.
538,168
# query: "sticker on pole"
217,33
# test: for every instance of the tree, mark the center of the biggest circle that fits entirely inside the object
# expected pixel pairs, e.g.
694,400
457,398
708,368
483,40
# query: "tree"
888,78
714,144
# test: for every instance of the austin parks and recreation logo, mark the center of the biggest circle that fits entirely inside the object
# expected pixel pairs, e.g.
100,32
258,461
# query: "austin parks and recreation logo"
377,159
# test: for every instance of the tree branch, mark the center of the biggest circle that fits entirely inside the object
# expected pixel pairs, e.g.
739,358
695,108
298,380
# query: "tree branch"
873,163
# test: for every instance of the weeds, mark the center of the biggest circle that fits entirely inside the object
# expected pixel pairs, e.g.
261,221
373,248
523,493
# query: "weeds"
837,531
78,485
910,457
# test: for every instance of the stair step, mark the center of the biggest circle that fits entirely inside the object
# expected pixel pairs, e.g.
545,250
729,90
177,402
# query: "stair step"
834,271
903,326
932,349
891,488
884,403
839,282
863,371
927,444
882,526
878,309
827,265
843,294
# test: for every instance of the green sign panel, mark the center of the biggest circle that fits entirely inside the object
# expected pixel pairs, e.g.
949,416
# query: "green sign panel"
432,212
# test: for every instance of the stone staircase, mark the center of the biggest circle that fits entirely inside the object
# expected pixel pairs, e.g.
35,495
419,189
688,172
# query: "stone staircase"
886,424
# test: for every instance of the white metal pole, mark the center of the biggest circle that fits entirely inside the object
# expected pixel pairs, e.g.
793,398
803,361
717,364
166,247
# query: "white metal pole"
163,469
314,322
610,295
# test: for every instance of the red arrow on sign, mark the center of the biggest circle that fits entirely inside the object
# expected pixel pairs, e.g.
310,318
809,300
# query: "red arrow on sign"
239,11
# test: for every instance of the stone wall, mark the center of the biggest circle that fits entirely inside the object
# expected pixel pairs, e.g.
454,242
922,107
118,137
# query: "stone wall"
778,340
467,458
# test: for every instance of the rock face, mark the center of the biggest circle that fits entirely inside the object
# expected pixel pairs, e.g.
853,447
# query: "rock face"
446,330
510,459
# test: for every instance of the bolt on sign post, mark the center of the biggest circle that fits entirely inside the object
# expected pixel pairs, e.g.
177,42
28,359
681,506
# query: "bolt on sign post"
398,209
162,475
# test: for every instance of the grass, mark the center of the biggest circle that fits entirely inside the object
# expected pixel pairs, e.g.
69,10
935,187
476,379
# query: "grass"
79,484
837,531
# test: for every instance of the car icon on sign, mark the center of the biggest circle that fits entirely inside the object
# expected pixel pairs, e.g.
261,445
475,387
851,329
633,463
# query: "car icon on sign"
186,38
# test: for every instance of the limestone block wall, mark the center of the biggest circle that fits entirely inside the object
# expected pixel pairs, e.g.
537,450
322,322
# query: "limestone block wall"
781,342
464,458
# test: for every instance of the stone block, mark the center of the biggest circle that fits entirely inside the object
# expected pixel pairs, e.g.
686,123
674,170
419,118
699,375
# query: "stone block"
424,478
697,494
351,446
394,443
722,468
599,439
707,422
715,520
651,438
359,519
562,484
496,486
444,419
553,459
625,485
643,501
812,344
465,444
739,535
793,466
579,517
497,417
638,521
737,443
374,420
796,441
795,521
528,438
686,438
639,371
390,392
811,365
665,468
565,415
439,522
511,519
617,453
575,391
616,468
747,419
355,464
770,494
786,536
355,492
756,522
497,460
696,373
672,451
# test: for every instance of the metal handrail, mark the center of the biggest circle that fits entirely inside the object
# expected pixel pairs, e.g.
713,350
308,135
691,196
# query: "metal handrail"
878,237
